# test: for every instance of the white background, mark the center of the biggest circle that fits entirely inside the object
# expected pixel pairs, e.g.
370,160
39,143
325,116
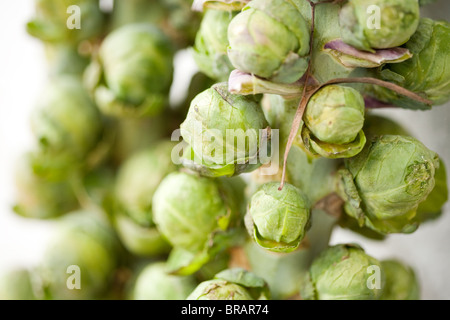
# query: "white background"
23,75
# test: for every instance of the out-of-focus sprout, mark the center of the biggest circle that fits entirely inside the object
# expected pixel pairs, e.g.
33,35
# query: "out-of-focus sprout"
81,259
136,182
198,216
38,197
278,219
133,71
232,284
344,272
66,124
401,281
18,284
211,44
384,184
66,21
378,24
155,283
333,122
427,72
225,133
270,39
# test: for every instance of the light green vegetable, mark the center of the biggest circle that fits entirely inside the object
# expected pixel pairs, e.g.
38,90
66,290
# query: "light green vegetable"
344,272
270,39
279,219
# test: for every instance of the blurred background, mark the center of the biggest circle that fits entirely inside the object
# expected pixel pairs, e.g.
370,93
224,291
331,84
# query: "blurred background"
23,76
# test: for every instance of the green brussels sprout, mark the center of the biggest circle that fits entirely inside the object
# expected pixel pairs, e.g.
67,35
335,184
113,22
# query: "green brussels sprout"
196,215
270,39
378,24
154,283
333,122
224,132
232,284
56,20
384,184
38,197
18,284
133,72
344,272
81,259
188,208
278,218
427,72
401,281
65,122
211,43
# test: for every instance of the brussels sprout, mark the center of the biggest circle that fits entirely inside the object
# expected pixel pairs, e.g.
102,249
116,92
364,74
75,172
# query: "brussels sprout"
18,284
80,260
344,272
279,218
225,133
378,24
401,281
54,19
154,283
427,72
66,122
232,284
384,184
38,197
333,122
133,72
194,214
270,39
211,43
